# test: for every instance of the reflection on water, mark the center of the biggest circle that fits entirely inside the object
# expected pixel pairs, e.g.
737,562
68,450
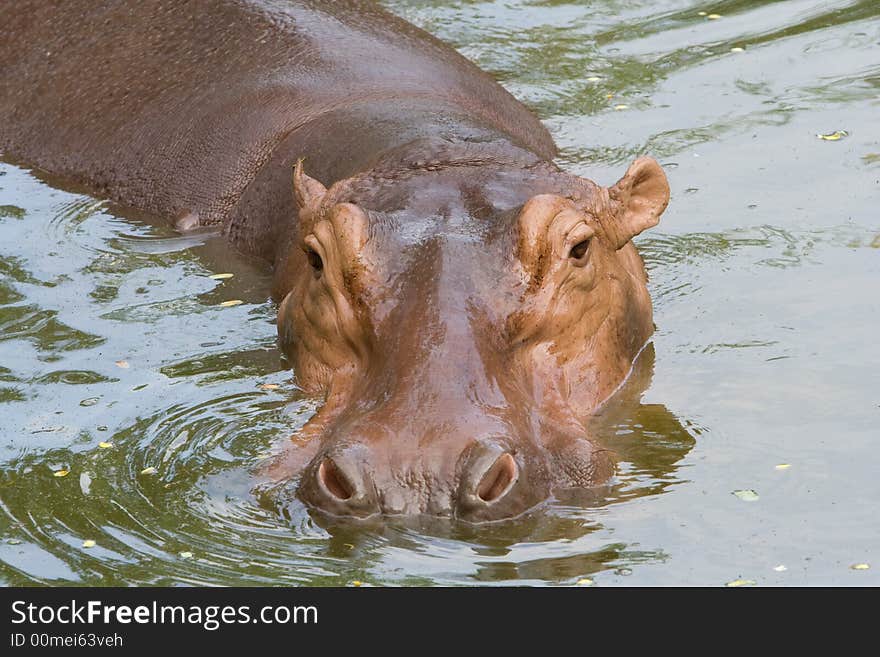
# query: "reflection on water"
133,406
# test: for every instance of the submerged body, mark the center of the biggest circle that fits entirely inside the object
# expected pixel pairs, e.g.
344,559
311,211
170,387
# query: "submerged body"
462,304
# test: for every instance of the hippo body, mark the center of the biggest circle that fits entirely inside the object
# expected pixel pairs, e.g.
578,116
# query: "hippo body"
462,305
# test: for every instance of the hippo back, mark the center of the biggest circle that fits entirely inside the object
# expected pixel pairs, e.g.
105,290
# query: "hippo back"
175,107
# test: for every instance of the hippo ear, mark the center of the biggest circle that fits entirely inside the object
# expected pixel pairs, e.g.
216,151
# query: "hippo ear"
640,198
307,192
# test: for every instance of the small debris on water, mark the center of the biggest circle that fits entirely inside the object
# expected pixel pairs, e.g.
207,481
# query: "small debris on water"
621,107
231,302
781,568
713,17
860,566
737,49
747,495
585,581
123,364
186,555
741,582
91,401
701,13
61,473
149,471
782,466
221,277
623,571
269,386
89,543
357,582
593,78
837,135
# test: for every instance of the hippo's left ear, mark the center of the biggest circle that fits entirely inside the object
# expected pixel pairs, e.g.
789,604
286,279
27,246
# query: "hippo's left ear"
307,192
639,198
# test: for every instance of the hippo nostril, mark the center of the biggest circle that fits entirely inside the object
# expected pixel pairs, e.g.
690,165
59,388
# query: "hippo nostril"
498,479
334,481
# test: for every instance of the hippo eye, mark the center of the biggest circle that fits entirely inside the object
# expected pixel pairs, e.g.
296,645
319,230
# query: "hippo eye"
314,260
579,250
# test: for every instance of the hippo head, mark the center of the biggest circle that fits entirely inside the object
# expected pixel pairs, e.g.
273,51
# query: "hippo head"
462,322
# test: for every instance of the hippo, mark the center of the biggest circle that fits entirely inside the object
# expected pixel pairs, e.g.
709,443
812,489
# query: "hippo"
462,306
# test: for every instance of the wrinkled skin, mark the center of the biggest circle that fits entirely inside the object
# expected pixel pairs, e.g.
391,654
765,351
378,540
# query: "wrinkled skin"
461,304
462,340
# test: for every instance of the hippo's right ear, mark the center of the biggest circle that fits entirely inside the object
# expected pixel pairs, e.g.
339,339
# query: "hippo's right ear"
307,192
641,196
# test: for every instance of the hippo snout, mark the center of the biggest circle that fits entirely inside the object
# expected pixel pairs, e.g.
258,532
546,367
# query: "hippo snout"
489,481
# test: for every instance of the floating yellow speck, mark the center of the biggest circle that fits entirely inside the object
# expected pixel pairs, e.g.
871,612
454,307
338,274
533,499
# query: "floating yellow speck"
269,386
837,135
231,302
105,445
741,582
593,78
186,555
123,364
149,471
585,581
737,49
221,277
860,566
782,466
61,473
701,13
713,17
747,495
781,568
356,583
89,543
621,107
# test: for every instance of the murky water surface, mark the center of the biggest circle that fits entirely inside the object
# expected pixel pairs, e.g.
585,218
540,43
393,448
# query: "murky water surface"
120,367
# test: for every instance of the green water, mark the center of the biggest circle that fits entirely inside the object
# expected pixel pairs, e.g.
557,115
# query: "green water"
764,273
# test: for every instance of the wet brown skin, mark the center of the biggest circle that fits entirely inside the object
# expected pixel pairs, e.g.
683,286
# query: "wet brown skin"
461,304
